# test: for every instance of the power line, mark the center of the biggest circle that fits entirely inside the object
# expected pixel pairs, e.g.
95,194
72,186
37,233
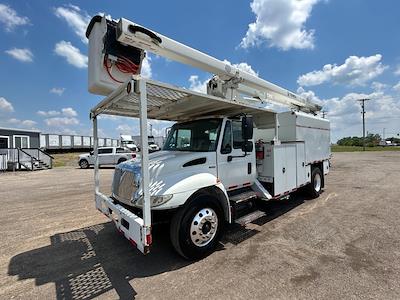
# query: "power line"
362,102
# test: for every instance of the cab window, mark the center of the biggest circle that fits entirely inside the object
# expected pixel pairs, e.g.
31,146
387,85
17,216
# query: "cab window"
237,134
105,151
122,150
200,136
226,146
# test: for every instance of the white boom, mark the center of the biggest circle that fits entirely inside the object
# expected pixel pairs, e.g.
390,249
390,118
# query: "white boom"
228,79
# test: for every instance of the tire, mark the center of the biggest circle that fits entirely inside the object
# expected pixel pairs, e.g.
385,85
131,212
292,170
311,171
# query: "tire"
121,160
196,228
84,164
314,188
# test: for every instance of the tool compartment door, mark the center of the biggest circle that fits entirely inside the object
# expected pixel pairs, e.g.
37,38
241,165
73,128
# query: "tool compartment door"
284,168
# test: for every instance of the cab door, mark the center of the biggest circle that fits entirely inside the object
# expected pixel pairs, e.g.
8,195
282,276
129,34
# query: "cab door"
236,168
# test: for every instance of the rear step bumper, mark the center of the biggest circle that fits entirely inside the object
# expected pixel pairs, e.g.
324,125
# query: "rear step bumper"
127,223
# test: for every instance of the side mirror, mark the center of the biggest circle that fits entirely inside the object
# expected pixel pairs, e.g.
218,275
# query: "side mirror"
247,146
247,128
91,152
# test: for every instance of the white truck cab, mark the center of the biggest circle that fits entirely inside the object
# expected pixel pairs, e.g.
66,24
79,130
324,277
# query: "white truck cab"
197,154
226,153
211,171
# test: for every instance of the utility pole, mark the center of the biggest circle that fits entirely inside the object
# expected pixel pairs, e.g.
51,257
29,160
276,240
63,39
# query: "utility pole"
151,129
362,102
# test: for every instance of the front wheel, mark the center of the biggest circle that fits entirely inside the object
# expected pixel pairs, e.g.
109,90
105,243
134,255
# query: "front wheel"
315,186
196,228
84,164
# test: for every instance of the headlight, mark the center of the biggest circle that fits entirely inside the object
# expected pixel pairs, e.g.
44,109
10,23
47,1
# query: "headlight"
154,200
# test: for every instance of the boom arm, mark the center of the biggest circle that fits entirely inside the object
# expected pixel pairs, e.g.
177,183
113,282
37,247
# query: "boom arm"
140,37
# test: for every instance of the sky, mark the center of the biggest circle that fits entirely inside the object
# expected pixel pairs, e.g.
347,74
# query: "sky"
330,51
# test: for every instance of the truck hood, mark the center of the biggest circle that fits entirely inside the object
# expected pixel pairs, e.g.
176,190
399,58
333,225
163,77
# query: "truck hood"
165,165
164,162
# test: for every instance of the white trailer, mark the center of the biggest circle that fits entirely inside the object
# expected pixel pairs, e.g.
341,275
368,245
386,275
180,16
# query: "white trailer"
224,154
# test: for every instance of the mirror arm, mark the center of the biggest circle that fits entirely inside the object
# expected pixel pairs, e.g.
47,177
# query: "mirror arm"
230,157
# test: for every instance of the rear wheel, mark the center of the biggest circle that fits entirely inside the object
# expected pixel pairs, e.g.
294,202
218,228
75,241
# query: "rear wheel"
315,186
84,164
195,229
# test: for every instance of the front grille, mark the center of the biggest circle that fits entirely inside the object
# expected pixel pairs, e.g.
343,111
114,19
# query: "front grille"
124,185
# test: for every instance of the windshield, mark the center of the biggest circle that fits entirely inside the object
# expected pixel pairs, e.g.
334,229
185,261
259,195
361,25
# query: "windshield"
197,136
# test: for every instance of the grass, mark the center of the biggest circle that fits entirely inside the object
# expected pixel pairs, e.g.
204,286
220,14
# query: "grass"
65,159
337,148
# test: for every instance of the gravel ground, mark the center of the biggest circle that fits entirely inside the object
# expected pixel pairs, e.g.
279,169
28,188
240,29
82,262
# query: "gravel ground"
345,244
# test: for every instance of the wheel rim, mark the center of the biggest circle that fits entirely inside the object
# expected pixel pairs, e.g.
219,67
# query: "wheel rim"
84,164
204,227
317,182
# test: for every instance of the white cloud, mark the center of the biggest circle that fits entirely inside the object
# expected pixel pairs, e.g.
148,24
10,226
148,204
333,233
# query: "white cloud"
378,86
75,18
5,106
309,96
396,87
10,18
243,67
24,55
61,121
67,131
72,54
28,123
13,121
383,110
110,117
146,67
22,123
355,71
197,85
69,112
50,113
57,91
397,71
126,129
281,23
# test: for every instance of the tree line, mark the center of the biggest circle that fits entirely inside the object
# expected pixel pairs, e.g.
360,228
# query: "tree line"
371,140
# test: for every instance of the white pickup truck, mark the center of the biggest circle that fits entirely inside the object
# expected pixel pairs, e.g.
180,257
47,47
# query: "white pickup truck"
107,156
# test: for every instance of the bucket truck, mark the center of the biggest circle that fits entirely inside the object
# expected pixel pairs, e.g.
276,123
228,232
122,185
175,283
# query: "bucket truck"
226,153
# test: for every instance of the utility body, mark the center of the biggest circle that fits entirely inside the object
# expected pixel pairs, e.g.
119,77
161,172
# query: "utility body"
225,154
